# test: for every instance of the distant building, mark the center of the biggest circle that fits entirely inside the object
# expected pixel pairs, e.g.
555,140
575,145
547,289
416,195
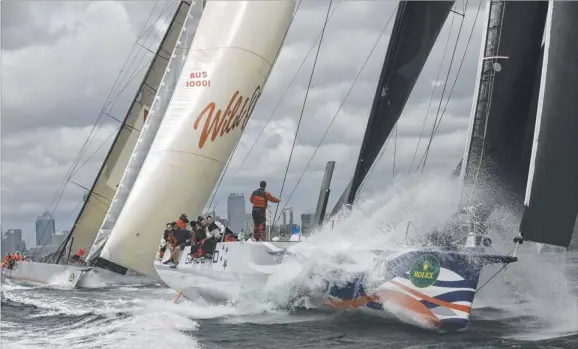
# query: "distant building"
12,241
58,238
307,222
236,212
248,228
45,228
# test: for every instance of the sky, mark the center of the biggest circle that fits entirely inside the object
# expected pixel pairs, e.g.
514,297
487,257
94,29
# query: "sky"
60,60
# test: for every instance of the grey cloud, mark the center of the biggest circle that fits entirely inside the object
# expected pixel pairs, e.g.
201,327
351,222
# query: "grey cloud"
24,24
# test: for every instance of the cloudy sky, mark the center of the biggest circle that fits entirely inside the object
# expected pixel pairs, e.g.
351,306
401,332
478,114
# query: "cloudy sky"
60,60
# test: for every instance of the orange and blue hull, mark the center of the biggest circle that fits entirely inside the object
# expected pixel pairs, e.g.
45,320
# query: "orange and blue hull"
429,288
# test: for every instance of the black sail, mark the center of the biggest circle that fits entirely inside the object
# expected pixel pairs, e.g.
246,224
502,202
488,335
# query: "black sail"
551,206
497,159
416,28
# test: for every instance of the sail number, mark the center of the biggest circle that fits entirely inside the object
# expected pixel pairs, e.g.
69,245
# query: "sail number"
198,79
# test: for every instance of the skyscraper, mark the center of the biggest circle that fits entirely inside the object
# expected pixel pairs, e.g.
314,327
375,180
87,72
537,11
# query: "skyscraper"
236,212
45,228
306,222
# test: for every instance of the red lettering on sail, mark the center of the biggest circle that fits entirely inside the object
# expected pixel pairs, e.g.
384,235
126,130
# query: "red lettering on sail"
219,123
198,79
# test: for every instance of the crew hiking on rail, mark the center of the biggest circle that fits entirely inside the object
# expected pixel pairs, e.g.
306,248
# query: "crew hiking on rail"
203,236
10,259
260,198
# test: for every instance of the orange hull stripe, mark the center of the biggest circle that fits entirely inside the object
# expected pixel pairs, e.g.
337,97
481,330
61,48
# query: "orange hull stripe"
459,307
402,299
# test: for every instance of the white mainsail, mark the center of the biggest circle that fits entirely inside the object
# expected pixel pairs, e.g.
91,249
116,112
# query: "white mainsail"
105,185
232,55
152,123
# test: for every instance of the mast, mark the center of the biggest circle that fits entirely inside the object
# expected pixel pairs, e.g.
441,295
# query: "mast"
182,34
551,201
323,195
233,52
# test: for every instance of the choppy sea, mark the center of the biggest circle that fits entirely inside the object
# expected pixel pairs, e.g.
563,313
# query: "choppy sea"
531,304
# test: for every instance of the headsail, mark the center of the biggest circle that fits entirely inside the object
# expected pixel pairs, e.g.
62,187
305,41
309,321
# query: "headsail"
416,28
105,184
497,152
184,32
551,203
231,57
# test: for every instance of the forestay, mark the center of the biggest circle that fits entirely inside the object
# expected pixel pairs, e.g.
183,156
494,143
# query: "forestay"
184,28
234,49
551,203
104,187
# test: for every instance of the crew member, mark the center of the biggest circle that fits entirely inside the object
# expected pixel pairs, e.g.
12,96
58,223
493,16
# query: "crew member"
260,198
183,221
200,235
78,256
183,237
215,230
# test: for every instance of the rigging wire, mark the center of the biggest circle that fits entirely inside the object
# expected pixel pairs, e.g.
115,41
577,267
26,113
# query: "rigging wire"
454,83
432,94
286,91
340,107
452,88
216,190
304,104
98,123
444,90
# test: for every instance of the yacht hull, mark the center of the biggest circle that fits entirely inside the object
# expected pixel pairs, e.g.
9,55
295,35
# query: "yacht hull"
431,289
33,273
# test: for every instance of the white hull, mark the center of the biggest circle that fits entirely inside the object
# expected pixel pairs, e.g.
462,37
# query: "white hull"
235,267
58,275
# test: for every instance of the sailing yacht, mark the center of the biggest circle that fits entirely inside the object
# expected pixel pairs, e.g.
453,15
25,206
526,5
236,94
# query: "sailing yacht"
431,287
156,86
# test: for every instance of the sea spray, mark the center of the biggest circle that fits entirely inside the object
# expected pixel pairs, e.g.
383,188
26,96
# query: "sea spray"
360,239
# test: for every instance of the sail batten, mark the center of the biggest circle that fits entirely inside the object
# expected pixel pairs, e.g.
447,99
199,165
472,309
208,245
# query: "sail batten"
551,202
181,33
225,71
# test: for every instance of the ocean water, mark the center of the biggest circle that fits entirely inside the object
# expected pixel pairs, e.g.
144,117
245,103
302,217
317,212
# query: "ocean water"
531,304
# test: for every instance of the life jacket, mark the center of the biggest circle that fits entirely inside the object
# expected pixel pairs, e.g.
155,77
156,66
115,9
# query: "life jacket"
259,198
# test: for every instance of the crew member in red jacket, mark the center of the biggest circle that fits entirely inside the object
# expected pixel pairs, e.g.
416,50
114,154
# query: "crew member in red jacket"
260,198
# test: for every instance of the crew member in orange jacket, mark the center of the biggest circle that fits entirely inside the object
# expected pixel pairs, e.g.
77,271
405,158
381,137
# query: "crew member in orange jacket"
260,198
